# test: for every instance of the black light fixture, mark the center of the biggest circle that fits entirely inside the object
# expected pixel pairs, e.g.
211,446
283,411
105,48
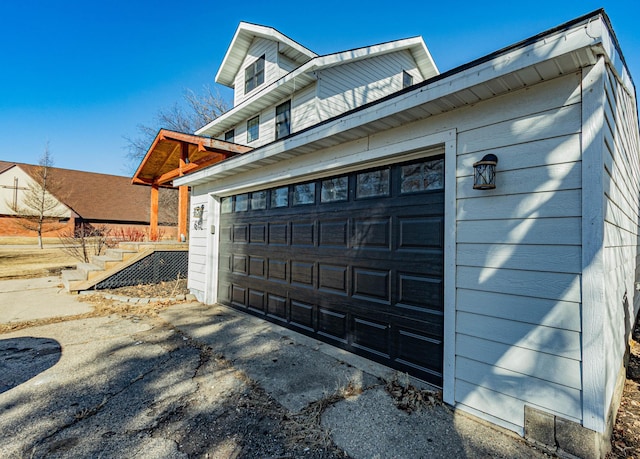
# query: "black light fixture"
484,175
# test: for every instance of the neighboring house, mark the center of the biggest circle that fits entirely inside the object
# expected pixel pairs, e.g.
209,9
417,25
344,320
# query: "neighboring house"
355,219
99,200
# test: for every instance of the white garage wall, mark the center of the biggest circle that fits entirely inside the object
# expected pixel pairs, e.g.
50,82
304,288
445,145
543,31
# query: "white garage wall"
518,307
621,186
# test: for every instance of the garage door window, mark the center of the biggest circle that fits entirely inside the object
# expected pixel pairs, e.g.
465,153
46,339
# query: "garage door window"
372,184
335,189
226,205
258,200
242,203
304,193
424,176
280,197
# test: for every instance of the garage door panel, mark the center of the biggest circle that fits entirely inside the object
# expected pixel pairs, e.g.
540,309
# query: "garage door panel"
240,233
371,336
303,234
277,307
277,270
363,274
419,351
303,273
258,233
333,233
225,233
420,291
238,295
420,233
370,284
302,315
257,266
333,325
257,301
370,233
278,233
239,263
332,278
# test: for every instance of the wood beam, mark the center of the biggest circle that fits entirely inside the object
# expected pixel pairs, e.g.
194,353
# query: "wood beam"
206,161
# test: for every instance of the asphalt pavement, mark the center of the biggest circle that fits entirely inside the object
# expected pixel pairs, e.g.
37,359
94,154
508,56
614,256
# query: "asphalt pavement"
206,381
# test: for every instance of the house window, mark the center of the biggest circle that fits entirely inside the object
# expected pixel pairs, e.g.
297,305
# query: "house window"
283,120
254,75
253,129
407,79
230,135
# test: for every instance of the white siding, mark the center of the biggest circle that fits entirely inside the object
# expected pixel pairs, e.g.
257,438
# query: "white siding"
303,115
304,110
621,184
518,257
286,65
259,47
197,280
345,87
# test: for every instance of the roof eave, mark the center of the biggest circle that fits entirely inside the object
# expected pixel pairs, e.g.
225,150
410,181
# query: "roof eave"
576,44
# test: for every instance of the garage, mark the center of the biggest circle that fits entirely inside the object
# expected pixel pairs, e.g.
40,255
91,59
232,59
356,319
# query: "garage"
355,260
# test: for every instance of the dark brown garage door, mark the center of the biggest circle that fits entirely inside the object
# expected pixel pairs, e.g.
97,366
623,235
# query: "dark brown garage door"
354,260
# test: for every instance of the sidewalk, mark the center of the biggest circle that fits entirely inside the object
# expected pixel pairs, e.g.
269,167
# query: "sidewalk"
38,298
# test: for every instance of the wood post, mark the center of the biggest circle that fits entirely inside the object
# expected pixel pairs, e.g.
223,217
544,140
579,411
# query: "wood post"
153,212
183,211
183,194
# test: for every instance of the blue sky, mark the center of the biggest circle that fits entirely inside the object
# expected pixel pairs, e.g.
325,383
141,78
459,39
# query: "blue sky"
83,74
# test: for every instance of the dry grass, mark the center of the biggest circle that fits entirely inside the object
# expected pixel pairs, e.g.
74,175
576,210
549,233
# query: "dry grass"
30,261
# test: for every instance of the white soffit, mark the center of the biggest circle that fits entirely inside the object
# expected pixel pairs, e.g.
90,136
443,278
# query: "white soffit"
550,55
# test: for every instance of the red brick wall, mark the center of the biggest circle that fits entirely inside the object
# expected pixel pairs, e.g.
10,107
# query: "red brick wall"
10,226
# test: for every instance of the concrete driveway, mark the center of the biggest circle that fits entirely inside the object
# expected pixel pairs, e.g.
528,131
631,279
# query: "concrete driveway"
202,381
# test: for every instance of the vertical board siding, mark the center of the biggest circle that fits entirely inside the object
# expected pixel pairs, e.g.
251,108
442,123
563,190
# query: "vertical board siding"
519,256
621,185
351,85
272,72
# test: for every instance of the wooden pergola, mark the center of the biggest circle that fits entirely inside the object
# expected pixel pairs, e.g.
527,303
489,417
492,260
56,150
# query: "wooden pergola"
174,154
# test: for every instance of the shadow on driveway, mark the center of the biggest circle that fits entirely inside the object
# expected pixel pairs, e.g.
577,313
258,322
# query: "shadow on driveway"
23,358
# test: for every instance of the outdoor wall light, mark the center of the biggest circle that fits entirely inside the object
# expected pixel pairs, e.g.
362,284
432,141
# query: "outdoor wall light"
484,176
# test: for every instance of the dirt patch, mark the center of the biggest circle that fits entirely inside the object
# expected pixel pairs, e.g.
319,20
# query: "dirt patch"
625,441
169,289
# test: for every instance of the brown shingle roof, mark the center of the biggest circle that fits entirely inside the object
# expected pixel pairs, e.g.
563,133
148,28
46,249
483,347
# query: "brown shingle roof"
102,197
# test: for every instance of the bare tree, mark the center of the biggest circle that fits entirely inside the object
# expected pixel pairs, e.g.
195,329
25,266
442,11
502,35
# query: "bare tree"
195,111
39,210
84,241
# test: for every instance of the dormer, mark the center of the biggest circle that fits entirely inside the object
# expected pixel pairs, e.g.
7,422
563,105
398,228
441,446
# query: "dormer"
258,56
